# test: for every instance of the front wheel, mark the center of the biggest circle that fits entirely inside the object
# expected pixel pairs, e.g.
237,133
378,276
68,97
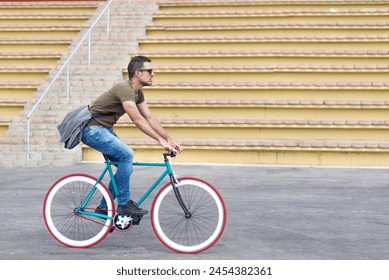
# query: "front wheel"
68,222
193,234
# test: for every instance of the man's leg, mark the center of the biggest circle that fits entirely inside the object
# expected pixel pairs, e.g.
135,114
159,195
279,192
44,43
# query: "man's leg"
105,140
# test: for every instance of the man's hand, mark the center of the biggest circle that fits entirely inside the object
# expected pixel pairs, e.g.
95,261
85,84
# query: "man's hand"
166,145
176,146
170,145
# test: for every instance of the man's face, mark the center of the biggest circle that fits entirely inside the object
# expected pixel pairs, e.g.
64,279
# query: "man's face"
146,74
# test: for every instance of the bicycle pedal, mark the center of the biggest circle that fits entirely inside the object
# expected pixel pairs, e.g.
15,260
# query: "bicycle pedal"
136,219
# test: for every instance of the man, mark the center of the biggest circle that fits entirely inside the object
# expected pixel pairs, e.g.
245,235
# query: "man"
125,97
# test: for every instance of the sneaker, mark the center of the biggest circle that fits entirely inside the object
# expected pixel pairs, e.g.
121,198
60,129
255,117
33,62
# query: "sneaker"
131,209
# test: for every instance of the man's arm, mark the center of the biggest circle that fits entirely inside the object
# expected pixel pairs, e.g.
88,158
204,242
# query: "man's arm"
133,112
156,125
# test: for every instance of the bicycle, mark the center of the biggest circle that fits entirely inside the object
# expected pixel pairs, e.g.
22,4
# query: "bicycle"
188,215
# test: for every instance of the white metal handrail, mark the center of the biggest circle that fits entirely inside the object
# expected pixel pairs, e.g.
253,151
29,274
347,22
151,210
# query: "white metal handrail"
66,65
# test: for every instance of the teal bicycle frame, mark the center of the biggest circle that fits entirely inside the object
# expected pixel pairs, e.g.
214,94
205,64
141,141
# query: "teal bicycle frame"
108,168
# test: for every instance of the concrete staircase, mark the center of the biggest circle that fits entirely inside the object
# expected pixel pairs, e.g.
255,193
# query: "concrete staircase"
259,82
269,82
33,36
108,56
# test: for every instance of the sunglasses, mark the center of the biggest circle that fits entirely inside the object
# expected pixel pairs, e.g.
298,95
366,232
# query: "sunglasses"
148,70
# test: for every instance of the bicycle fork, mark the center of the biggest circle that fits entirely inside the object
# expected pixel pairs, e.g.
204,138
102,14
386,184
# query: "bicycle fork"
174,180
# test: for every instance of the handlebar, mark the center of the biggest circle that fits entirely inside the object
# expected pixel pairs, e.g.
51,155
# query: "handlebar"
172,153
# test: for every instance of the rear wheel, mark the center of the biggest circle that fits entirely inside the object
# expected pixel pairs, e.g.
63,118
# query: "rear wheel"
68,225
194,233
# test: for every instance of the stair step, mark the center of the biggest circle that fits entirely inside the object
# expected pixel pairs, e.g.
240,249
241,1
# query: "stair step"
295,28
275,143
273,73
196,6
285,110
265,128
287,15
264,52
272,85
40,7
257,122
24,73
335,43
11,107
278,91
10,44
251,57
29,59
46,20
266,151
39,32
5,121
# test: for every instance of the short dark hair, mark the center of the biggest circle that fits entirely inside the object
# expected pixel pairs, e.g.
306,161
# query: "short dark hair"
136,63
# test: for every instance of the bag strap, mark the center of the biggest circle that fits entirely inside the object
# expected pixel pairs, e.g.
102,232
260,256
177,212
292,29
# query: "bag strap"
99,115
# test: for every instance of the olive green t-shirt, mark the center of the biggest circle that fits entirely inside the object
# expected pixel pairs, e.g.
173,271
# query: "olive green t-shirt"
111,102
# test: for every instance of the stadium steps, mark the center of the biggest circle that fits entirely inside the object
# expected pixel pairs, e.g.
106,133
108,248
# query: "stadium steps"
237,97
34,37
269,82
86,83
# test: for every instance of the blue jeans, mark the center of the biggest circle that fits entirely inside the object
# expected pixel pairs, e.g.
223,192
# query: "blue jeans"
106,141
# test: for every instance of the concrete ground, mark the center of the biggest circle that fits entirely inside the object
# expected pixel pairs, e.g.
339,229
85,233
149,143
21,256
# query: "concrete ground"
274,213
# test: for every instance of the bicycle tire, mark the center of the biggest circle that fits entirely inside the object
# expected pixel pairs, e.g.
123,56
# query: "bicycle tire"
197,233
64,224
